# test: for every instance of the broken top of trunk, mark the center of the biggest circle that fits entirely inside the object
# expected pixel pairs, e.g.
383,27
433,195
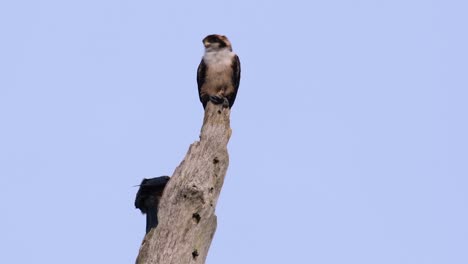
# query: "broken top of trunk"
187,220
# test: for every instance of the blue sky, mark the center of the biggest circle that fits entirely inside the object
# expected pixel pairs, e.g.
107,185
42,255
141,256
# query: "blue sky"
349,136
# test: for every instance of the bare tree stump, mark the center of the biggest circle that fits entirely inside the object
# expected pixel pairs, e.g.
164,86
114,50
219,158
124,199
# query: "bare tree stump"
187,220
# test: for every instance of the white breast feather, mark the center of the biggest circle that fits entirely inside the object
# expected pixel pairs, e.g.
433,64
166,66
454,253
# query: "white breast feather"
218,59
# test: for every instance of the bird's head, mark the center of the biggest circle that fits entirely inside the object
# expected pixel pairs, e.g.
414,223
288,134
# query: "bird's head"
216,42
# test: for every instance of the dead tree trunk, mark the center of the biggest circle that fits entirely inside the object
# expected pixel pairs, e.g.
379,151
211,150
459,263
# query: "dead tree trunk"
187,220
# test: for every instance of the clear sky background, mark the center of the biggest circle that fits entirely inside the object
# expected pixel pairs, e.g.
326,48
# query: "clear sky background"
349,136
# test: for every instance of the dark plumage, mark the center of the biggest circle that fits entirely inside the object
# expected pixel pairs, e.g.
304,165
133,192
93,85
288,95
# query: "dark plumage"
148,197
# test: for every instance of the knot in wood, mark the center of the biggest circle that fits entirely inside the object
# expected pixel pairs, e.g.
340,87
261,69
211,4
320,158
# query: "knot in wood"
192,193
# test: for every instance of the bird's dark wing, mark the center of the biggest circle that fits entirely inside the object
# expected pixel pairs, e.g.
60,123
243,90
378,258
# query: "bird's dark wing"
149,188
155,182
201,73
236,73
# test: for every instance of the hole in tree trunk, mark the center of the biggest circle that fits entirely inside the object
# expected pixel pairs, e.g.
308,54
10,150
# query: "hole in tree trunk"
196,217
195,254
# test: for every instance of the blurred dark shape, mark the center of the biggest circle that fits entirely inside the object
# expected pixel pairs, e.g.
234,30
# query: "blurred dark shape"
148,197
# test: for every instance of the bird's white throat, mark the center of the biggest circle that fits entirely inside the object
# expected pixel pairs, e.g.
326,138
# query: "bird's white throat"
218,57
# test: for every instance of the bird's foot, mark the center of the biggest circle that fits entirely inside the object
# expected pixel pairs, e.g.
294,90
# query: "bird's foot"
216,99
220,100
225,102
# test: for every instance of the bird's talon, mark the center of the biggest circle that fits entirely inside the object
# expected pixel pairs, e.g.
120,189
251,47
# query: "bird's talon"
216,99
225,102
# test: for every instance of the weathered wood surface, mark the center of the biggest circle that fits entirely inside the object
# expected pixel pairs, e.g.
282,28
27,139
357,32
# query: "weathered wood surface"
187,220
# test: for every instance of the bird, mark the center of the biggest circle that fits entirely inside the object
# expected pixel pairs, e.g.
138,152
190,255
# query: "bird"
147,199
219,72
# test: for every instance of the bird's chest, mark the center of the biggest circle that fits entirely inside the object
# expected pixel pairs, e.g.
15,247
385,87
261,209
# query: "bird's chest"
218,62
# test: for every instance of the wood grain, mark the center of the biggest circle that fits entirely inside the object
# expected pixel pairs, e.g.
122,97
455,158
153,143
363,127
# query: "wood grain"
187,220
